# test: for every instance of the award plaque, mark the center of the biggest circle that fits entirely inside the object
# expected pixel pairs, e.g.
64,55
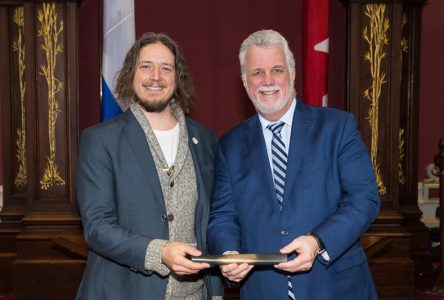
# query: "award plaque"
252,259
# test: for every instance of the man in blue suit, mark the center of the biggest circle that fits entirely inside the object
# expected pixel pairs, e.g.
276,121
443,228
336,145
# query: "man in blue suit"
294,179
144,180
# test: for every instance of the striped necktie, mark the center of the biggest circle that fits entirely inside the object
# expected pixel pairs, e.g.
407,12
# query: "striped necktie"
279,162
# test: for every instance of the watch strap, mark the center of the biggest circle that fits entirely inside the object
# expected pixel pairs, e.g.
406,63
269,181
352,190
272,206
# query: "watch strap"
321,247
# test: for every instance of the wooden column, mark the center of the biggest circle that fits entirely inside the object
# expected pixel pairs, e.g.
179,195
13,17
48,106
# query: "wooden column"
14,196
40,112
382,92
439,162
408,145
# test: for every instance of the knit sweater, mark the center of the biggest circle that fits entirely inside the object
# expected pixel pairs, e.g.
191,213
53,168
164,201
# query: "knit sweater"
180,195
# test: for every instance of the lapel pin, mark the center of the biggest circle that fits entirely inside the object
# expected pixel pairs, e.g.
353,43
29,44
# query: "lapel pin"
195,141
307,123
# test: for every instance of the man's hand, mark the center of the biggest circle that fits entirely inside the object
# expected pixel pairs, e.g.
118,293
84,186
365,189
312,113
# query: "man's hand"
307,248
235,272
173,256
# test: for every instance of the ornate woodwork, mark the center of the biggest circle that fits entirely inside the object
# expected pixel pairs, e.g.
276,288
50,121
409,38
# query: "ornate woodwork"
38,64
408,144
382,92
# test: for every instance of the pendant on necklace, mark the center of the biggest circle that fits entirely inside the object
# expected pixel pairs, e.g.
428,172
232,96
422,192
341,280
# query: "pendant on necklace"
169,170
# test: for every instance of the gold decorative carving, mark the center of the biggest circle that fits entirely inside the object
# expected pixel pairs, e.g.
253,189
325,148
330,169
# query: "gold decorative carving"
18,46
401,139
50,31
404,41
376,38
401,143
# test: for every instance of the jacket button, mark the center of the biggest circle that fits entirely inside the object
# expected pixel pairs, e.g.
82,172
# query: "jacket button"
172,184
163,217
284,232
170,217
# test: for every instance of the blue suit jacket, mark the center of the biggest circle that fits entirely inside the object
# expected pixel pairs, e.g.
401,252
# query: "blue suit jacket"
122,208
330,189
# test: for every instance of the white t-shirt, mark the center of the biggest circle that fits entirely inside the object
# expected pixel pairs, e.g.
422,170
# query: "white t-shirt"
168,141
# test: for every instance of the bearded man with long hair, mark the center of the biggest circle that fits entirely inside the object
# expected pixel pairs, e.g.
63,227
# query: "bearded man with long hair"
143,183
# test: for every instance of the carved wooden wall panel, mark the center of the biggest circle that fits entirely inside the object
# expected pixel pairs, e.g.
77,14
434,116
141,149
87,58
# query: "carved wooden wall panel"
39,102
12,92
408,144
55,106
374,93
18,85
382,91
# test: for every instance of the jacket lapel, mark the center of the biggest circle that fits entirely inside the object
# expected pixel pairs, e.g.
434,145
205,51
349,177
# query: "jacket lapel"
260,161
203,182
300,133
193,141
137,140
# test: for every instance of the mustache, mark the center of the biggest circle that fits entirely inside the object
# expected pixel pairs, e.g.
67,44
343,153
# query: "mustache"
268,88
154,85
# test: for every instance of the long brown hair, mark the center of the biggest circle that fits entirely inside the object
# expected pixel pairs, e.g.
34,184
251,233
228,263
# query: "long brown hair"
184,92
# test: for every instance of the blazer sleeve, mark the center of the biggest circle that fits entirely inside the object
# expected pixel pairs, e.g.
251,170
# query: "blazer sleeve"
359,203
97,204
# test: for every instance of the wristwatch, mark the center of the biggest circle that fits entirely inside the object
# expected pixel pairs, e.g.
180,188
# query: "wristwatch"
321,247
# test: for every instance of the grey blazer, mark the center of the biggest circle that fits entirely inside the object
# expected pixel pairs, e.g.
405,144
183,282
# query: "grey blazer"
122,208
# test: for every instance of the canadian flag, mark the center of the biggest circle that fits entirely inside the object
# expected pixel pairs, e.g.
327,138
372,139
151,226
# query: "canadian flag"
315,51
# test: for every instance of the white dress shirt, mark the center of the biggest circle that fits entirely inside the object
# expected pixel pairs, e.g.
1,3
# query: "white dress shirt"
287,118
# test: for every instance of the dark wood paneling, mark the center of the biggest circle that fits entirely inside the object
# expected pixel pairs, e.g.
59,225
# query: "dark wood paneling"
14,200
47,279
40,118
382,91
